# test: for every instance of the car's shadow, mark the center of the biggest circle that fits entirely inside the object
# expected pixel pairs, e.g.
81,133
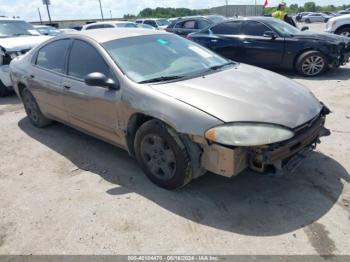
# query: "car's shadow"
250,203
341,74
9,100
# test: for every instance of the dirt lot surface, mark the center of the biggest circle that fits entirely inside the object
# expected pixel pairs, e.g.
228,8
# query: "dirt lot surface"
62,192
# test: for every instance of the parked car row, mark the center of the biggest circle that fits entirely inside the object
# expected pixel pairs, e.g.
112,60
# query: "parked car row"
179,108
271,43
311,17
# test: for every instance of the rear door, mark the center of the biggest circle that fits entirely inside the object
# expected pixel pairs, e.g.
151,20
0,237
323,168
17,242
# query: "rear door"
45,82
259,49
225,39
91,108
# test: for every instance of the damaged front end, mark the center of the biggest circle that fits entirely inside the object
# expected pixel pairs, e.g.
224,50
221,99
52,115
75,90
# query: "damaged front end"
5,59
273,158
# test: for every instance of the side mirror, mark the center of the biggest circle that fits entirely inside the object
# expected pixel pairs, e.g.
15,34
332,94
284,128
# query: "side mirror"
99,79
270,34
304,28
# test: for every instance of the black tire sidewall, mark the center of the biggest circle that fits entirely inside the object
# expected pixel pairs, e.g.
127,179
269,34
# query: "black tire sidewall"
42,120
183,171
304,56
3,90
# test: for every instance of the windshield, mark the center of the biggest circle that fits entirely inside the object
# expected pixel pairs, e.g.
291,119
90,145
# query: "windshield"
162,22
148,57
283,27
48,30
16,28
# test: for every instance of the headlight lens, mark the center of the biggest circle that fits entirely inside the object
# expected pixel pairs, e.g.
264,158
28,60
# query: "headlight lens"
248,134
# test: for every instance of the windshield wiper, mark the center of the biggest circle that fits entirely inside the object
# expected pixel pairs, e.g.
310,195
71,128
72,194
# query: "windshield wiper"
221,66
161,78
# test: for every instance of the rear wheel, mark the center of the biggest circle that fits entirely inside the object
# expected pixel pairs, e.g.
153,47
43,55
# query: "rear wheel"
33,111
162,155
345,31
311,63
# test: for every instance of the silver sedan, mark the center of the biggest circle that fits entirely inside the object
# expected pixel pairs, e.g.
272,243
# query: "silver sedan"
179,108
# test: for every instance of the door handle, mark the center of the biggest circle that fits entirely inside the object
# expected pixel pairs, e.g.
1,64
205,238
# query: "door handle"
214,40
66,87
32,76
247,42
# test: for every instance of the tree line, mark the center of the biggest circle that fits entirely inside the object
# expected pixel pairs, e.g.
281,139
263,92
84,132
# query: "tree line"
167,12
309,7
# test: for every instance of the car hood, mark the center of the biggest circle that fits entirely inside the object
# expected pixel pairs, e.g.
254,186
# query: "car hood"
247,93
21,42
321,37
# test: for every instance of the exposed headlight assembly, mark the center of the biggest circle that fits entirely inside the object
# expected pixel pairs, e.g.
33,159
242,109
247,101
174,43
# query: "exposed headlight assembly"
248,134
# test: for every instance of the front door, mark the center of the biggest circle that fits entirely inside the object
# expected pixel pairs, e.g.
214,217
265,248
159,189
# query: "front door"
91,108
258,49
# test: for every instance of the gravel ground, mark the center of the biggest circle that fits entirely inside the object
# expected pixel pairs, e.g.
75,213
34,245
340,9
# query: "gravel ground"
62,192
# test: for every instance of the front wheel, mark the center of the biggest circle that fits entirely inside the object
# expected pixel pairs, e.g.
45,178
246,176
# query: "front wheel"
162,155
33,111
311,63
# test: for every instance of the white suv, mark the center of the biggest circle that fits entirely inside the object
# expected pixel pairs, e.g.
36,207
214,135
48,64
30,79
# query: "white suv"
16,38
339,25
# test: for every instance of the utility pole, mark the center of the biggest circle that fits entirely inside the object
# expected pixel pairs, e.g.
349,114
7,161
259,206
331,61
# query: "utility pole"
255,7
41,21
47,3
226,8
101,10
110,11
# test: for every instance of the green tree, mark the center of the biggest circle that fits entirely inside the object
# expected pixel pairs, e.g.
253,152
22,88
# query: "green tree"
310,7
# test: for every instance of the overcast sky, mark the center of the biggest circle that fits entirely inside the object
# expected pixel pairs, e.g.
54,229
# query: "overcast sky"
80,9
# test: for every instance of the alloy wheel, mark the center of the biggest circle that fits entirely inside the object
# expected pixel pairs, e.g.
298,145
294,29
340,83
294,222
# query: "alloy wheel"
345,33
313,65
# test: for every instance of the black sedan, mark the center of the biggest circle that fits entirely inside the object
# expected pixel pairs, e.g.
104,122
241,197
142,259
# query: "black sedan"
187,25
271,43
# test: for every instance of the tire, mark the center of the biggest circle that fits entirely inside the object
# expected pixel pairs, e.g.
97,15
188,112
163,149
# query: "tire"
345,31
3,90
307,21
311,63
162,155
33,111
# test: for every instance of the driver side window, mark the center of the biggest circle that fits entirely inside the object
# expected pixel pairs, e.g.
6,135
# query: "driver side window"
84,59
254,28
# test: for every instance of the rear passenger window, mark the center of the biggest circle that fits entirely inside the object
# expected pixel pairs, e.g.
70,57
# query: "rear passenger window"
191,24
84,59
229,28
150,22
254,28
52,56
95,27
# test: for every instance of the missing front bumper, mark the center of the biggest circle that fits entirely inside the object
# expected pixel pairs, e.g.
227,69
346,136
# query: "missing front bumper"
286,156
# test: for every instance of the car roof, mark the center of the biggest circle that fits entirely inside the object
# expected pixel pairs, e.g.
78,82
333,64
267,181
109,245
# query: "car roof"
109,22
109,34
251,18
10,19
